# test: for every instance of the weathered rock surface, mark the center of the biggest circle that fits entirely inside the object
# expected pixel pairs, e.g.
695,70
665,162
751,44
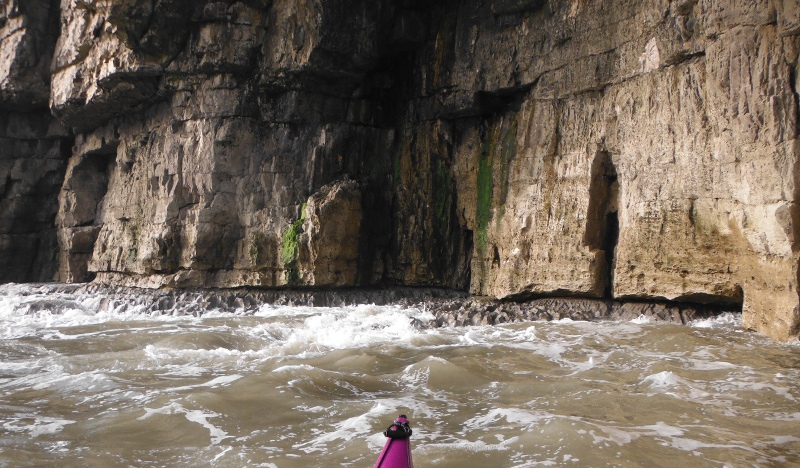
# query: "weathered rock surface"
642,150
34,146
329,236
28,33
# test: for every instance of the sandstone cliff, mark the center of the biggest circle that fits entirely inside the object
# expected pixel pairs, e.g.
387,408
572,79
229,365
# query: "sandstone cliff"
634,149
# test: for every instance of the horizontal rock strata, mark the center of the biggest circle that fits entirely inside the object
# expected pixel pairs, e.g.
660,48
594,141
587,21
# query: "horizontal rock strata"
635,150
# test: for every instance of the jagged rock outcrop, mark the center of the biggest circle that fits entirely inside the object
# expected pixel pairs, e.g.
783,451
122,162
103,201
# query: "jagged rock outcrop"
627,149
329,234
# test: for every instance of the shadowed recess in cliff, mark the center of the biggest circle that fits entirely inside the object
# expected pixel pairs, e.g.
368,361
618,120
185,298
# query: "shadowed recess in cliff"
733,300
81,196
511,7
502,101
451,245
31,174
602,222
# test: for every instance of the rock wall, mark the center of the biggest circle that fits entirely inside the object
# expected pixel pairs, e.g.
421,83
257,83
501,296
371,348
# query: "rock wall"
627,149
34,146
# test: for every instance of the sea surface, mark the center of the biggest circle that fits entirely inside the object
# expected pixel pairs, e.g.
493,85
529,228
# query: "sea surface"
89,380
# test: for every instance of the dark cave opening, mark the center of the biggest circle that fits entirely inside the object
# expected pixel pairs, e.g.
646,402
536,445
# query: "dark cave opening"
602,223
609,246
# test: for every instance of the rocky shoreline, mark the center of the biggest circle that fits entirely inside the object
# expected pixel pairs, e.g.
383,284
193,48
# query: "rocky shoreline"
449,308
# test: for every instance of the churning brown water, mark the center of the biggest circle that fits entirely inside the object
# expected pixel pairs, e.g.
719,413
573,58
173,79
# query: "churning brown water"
83,383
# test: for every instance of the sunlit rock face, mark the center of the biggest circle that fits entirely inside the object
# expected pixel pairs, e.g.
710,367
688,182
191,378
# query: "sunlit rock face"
628,149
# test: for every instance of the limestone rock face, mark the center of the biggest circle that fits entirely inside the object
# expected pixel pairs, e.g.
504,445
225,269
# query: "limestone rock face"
34,146
626,149
331,228
28,32
111,54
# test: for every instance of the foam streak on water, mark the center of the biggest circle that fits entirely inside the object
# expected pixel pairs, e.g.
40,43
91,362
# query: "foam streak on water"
83,383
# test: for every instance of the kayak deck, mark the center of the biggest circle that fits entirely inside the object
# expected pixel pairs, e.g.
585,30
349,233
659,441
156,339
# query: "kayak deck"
396,454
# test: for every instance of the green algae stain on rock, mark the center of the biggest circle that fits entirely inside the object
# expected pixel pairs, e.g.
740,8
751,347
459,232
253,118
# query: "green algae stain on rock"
133,246
508,151
290,247
258,242
498,148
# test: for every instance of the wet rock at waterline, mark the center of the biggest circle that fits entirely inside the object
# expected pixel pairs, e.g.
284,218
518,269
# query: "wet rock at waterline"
641,151
446,308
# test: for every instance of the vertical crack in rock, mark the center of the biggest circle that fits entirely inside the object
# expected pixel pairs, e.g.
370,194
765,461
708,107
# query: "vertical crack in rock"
602,223
793,84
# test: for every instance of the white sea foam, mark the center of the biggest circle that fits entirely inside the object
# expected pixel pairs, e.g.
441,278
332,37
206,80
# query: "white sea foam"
613,435
726,320
42,314
517,418
665,379
269,311
671,384
54,377
641,320
359,425
785,439
300,367
785,417
20,367
213,383
183,371
201,417
693,445
196,416
476,446
357,327
414,375
761,387
661,429
713,365
675,437
35,425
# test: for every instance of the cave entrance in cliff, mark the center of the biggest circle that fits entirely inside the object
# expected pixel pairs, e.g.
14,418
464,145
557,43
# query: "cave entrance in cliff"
82,196
602,223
